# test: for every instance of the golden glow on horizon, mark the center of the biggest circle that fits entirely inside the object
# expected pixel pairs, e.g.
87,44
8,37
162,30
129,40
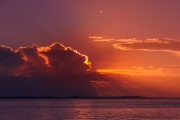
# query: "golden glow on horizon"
144,71
148,67
152,83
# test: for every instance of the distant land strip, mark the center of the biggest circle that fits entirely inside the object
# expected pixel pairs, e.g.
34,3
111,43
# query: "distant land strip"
81,97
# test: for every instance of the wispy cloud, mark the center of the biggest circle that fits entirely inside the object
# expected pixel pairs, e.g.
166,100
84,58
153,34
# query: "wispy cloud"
149,44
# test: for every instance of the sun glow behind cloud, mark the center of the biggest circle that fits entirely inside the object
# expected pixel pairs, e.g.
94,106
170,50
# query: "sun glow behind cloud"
169,71
152,63
151,81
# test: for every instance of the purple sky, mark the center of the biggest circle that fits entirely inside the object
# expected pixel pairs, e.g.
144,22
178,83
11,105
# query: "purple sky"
24,22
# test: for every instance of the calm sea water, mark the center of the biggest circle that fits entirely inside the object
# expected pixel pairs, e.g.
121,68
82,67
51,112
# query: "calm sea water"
82,109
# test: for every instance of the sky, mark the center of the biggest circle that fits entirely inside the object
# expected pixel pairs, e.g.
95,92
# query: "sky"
90,48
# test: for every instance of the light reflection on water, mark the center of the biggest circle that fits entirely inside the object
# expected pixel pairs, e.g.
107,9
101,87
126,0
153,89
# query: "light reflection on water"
81,109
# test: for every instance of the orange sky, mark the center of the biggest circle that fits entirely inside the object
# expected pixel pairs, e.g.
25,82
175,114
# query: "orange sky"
152,64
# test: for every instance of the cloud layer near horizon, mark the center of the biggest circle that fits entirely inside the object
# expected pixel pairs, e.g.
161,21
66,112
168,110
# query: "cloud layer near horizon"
35,60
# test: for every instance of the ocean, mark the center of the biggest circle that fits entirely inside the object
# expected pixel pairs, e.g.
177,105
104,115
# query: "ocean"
89,109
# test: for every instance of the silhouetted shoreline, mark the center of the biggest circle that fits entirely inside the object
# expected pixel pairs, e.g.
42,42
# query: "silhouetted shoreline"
81,97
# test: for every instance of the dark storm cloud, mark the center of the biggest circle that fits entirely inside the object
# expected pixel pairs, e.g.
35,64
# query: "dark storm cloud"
53,70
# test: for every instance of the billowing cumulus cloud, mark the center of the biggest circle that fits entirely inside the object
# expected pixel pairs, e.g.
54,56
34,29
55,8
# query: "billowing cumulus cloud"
54,59
64,60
